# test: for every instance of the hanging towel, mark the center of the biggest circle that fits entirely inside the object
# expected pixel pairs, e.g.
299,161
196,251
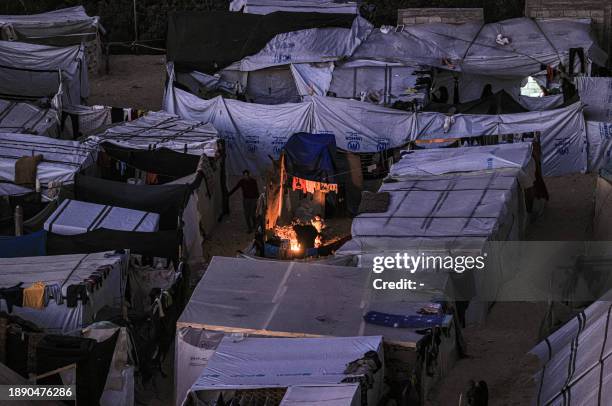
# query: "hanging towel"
34,296
53,291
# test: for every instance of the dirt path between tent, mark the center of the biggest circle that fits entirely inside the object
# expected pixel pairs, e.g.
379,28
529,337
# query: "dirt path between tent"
498,350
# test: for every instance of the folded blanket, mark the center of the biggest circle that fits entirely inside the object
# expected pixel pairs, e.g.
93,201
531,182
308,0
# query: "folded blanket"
374,202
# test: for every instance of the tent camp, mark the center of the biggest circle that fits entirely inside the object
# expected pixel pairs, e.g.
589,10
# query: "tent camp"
26,118
297,300
294,6
61,160
68,272
319,368
47,71
67,26
575,368
596,94
175,153
381,62
254,132
451,201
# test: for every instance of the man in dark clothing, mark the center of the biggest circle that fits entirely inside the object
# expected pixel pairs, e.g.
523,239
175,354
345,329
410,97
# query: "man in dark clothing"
250,193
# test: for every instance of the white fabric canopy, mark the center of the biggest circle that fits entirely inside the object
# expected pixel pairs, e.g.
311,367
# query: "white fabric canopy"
74,217
39,71
329,395
25,118
473,48
254,132
65,270
69,25
599,135
254,363
310,45
596,94
158,130
61,159
576,365
294,6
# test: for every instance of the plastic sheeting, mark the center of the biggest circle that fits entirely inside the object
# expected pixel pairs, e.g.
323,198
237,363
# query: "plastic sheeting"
61,159
194,348
253,133
440,161
296,6
158,130
27,118
65,270
576,367
298,299
472,48
309,45
46,71
312,79
596,94
69,25
331,395
599,137
75,217
29,245
253,363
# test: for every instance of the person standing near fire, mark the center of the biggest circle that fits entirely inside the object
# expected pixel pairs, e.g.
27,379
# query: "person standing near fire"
250,194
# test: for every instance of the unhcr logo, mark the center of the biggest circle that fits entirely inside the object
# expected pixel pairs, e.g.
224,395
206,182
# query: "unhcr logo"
353,141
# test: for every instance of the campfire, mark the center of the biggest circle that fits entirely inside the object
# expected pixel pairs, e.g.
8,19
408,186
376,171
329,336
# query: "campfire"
286,233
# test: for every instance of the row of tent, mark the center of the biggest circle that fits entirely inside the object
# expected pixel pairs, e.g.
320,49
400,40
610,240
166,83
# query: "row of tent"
289,303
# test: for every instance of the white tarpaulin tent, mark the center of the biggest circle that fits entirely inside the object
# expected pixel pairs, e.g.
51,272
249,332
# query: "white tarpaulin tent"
160,130
25,118
596,94
66,270
576,368
328,395
299,299
32,71
264,363
254,132
61,159
599,137
75,217
69,25
451,200
157,130
294,6
481,50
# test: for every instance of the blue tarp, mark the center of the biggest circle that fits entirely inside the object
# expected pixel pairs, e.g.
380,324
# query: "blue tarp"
311,156
30,245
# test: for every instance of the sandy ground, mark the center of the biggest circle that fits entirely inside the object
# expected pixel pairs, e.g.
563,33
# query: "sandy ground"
497,351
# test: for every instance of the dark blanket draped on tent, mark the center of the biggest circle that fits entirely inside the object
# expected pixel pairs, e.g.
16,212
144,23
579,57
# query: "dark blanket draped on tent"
160,161
208,42
166,200
311,156
157,244
498,103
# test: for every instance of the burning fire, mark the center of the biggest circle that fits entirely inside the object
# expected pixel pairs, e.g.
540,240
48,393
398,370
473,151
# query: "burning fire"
286,233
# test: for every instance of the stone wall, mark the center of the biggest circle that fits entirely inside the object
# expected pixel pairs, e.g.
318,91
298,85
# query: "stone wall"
599,11
411,16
